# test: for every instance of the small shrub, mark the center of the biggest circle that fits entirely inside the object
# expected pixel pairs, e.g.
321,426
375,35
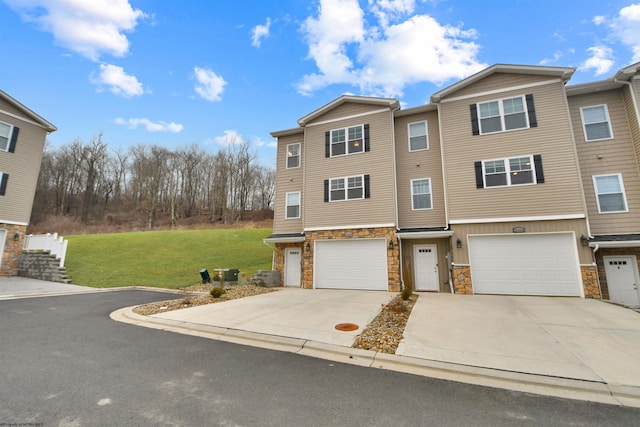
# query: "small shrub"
406,293
217,291
186,301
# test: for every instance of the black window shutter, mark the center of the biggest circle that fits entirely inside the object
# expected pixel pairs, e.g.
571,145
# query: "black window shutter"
474,119
531,109
326,190
3,184
479,180
537,161
367,191
327,144
367,143
14,139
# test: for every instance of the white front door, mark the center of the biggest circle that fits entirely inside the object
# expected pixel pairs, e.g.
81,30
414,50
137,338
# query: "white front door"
622,279
292,267
426,268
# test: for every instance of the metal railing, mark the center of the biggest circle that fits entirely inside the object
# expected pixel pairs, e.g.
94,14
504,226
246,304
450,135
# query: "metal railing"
51,243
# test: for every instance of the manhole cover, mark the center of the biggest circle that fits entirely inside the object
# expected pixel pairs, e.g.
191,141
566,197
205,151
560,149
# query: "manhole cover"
346,327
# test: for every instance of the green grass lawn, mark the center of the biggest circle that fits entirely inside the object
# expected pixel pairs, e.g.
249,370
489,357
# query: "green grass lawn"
166,259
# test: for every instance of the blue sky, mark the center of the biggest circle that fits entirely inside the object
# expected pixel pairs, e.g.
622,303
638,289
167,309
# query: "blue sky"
176,73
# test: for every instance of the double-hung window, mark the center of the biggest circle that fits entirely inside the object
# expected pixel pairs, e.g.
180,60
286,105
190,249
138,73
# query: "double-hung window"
503,114
293,155
596,123
418,139
8,137
610,193
349,140
347,188
509,172
293,205
421,194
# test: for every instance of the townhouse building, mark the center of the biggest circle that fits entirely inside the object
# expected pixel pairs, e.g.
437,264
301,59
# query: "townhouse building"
22,138
507,182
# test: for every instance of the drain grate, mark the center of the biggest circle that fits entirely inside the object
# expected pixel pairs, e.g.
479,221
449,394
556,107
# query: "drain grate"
346,327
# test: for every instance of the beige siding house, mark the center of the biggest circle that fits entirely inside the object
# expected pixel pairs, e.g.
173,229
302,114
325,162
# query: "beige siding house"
22,138
507,182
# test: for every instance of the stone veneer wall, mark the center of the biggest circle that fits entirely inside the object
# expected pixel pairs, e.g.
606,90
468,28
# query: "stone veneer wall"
393,255
462,279
12,249
278,258
600,262
590,281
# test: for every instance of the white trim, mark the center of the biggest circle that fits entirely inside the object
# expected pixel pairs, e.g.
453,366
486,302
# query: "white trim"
413,208
584,126
502,90
426,134
3,239
324,122
284,239
26,120
344,227
287,157
424,234
2,221
616,244
286,205
517,219
624,196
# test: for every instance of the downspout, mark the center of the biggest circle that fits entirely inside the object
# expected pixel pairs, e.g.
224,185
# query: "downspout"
634,101
273,253
446,200
395,190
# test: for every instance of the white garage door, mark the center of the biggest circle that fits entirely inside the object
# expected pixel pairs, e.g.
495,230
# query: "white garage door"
351,264
529,264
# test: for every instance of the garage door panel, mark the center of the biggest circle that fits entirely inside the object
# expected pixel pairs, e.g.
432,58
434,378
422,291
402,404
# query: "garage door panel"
351,264
544,264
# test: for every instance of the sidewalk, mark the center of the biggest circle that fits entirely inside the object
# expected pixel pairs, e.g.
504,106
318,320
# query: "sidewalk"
565,347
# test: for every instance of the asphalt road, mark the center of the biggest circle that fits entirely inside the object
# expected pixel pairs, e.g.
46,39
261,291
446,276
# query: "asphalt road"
64,362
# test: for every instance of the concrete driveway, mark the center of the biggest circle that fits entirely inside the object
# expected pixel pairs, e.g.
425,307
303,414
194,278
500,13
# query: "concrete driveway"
292,312
572,338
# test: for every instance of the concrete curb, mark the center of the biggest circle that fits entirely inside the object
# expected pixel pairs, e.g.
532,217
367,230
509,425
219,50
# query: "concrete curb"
517,381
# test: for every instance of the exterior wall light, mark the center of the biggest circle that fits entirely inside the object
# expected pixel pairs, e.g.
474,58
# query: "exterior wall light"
307,247
584,240
391,244
458,243
16,236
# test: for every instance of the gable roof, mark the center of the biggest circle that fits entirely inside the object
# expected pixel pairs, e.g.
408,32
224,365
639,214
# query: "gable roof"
564,73
39,120
384,102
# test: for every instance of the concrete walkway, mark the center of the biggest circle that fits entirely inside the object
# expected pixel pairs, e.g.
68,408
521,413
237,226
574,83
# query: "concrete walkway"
20,287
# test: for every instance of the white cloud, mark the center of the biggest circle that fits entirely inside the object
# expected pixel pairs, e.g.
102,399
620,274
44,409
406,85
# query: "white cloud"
89,28
259,32
626,28
600,60
229,137
598,20
119,82
209,85
390,10
150,126
387,59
